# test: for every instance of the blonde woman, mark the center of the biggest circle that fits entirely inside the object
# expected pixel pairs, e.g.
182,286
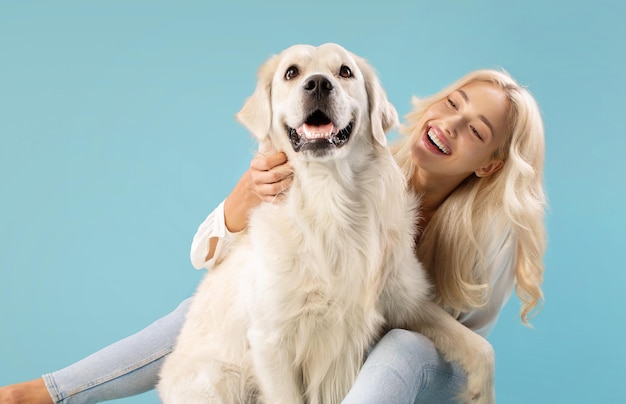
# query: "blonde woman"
474,153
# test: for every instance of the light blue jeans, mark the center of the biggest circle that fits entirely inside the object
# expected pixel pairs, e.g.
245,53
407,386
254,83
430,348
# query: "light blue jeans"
404,367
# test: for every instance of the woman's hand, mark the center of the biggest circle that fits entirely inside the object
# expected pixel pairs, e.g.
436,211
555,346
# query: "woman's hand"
266,180
271,176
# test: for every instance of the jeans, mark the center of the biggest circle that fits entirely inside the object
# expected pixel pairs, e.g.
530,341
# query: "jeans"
403,367
126,368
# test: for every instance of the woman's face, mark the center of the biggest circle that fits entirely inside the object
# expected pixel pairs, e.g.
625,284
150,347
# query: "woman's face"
458,135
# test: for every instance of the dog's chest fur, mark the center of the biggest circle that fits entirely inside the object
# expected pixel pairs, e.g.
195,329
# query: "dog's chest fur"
317,257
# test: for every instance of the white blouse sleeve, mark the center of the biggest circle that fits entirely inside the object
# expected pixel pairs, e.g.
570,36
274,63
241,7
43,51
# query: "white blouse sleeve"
213,226
500,260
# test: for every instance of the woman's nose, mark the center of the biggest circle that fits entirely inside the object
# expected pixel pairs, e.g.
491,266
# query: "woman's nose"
452,124
450,127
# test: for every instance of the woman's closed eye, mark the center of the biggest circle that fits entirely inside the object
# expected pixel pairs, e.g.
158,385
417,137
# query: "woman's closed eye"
476,133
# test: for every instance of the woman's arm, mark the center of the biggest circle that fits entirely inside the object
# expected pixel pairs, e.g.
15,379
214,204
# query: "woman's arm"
266,180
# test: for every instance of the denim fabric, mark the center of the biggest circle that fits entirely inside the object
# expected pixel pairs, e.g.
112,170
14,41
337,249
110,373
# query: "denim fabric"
404,367
128,367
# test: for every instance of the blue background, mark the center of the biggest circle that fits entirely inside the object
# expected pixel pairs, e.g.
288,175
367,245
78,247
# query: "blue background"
117,138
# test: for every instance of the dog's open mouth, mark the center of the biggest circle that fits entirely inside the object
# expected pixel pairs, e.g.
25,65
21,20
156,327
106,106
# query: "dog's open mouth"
318,132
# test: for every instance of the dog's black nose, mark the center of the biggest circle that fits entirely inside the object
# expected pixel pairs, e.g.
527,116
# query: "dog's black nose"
318,85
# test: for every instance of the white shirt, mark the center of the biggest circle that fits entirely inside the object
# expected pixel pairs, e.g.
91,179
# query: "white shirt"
500,260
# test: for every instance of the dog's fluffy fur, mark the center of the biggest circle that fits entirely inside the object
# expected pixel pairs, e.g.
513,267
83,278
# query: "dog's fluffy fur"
289,313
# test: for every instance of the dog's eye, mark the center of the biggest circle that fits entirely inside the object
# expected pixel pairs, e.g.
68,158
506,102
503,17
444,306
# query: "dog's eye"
291,73
345,72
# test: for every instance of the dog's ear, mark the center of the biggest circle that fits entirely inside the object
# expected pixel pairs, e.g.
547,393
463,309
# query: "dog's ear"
383,114
256,113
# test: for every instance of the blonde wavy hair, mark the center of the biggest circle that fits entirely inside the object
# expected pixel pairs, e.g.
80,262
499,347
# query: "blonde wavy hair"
508,203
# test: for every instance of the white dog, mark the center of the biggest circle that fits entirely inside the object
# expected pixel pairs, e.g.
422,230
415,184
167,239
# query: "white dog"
290,312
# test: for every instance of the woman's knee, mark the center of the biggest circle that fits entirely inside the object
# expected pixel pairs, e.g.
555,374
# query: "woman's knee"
408,339
408,343
413,353
408,351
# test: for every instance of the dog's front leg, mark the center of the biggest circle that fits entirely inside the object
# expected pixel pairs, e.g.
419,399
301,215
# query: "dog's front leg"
274,368
460,344
408,305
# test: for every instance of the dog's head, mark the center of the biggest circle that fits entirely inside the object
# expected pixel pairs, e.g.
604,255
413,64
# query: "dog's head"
315,102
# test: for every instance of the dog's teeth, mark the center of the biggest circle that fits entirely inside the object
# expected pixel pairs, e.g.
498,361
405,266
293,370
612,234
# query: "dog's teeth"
317,135
310,134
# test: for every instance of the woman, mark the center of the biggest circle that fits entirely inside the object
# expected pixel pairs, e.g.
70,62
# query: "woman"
474,152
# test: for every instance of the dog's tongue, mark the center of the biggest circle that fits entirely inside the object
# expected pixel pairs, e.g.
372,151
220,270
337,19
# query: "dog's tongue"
318,130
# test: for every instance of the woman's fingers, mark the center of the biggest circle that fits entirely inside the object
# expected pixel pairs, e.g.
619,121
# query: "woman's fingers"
271,176
263,163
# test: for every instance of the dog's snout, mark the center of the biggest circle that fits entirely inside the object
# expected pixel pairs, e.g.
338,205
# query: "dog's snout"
318,85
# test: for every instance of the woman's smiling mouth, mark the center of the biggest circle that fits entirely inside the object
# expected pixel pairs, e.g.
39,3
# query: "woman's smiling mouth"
435,140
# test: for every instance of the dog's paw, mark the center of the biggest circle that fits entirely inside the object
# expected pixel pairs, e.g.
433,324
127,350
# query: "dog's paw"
481,396
480,376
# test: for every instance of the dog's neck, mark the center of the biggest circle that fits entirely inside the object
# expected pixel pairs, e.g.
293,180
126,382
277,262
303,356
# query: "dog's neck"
327,173
320,187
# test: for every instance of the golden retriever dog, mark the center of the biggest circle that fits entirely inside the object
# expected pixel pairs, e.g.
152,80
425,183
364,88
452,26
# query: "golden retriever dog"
290,312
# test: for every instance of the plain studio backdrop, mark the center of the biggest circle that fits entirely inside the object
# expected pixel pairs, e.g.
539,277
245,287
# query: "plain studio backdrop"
118,137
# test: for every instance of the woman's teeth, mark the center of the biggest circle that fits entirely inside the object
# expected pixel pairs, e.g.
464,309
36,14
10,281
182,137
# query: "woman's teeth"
435,140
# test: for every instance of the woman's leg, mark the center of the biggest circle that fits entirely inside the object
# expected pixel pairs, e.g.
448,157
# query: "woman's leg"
128,367
404,367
